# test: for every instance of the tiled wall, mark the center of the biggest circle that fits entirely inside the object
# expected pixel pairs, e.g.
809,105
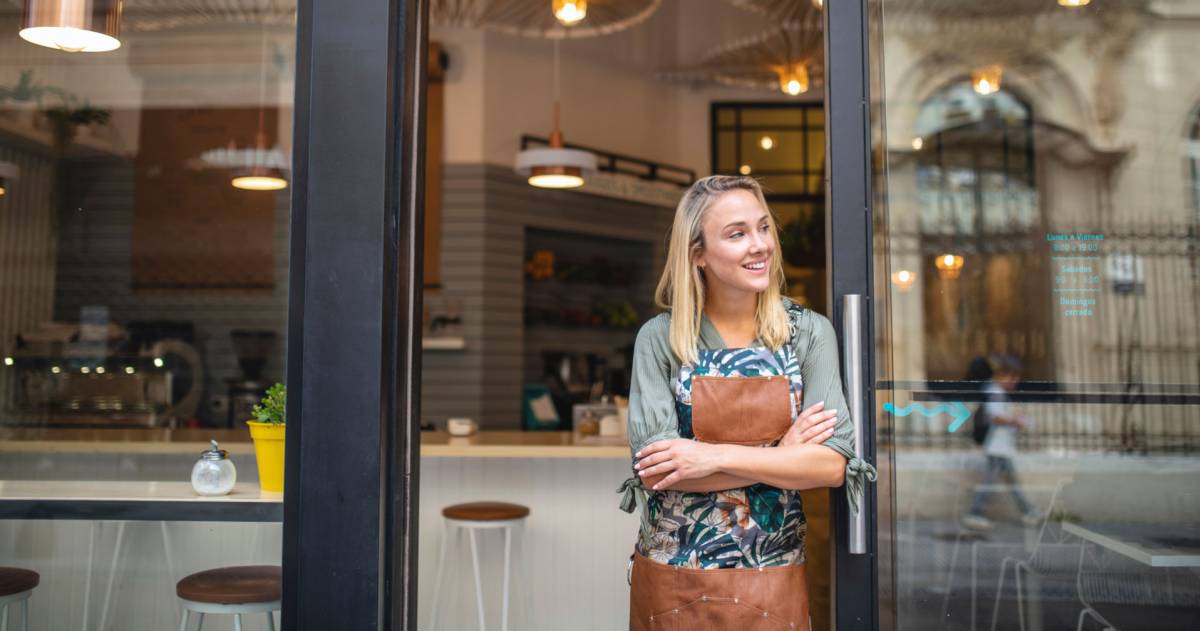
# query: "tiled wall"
486,210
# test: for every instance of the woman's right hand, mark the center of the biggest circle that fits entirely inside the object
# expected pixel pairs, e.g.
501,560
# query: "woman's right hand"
814,426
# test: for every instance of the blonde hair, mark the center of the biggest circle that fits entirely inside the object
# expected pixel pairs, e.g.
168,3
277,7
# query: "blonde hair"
681,289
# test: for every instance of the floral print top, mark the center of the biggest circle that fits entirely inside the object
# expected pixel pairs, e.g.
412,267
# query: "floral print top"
755,526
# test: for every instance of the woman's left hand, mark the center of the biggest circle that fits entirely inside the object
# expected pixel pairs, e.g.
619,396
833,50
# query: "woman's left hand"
679,459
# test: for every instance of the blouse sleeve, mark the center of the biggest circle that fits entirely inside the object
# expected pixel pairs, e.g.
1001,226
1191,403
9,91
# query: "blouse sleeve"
651,402
821,373
651,407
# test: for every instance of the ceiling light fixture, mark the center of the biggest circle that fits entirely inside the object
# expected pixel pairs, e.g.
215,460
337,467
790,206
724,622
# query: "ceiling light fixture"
903,280
555,166
745,169
74,26
259,174
570,12
949,265
1073,4
767,143
793,79
986,80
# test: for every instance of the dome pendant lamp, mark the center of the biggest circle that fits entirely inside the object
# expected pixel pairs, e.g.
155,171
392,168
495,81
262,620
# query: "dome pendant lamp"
74,26
555,166
260,174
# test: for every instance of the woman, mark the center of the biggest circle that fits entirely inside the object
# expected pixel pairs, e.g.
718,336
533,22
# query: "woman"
721,446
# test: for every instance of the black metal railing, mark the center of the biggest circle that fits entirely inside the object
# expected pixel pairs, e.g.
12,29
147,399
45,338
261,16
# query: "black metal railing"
611,162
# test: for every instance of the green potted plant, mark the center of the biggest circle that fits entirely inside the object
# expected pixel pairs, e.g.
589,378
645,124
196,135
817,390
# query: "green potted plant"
267,431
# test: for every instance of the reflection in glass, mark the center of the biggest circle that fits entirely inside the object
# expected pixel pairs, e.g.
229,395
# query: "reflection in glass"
1036,247
143,298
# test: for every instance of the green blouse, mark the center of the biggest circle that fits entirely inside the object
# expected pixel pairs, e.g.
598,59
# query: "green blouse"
652,415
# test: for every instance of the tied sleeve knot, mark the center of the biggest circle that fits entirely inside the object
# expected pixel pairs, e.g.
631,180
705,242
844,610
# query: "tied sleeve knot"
634,496
858,473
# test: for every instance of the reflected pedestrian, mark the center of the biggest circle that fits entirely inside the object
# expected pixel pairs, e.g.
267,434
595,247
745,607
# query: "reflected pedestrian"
1004,425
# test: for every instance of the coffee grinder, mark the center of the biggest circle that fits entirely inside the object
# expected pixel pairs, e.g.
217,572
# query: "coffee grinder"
252,349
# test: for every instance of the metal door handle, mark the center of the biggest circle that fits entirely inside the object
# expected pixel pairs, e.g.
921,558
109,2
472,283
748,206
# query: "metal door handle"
852,367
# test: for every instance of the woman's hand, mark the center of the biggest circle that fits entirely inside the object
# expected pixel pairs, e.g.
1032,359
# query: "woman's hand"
814,425
678,458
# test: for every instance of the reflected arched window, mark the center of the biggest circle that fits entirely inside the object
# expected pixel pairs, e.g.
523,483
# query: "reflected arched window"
1193,149
978,217
975,163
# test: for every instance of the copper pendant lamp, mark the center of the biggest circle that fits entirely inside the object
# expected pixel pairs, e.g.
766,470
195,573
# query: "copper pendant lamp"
555,166
74,26
260,174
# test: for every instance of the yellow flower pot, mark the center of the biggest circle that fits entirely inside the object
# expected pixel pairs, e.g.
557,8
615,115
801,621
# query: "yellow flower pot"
268,451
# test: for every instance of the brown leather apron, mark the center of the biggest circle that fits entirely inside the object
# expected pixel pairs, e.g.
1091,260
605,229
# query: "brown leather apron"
671,598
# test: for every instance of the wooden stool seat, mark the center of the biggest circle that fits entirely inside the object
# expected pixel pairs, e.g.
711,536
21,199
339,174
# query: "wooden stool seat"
485,511
233,585
14,580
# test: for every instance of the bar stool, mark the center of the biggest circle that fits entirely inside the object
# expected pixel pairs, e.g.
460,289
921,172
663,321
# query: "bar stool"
16,585
472,517
232,590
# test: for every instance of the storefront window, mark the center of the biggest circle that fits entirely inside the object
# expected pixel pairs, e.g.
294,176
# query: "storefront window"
144,219
1036,339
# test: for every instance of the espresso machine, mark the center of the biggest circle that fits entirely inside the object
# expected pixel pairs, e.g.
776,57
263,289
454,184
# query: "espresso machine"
252,349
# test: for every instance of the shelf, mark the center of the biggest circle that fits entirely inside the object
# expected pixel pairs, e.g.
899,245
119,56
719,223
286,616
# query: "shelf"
443,343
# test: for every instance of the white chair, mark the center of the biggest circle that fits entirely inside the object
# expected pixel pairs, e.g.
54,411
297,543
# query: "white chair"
472,518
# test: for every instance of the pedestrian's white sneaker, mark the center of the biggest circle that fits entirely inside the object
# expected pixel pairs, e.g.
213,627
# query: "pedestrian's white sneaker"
976,522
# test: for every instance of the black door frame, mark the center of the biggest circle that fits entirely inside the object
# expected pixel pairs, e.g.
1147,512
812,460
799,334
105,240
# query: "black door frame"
849,257
353,343
350,513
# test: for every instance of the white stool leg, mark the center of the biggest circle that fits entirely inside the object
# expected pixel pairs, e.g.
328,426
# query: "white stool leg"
507,556
87,579
270,621
237,622
200,622
4,619
478,580
184,620
25,615
441,571
112,574
523,562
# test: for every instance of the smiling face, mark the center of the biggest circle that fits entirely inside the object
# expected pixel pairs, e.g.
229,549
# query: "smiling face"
739,243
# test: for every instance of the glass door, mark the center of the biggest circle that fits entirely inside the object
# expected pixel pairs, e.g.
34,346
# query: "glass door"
1035,281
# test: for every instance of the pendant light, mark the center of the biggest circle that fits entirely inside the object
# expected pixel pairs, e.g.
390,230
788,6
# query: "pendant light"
74,26
8,173
569,12
793,79
986,80
260,174
948,265
1073,4
555,166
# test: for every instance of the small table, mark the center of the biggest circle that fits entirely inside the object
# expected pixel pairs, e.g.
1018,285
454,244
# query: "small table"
1152,545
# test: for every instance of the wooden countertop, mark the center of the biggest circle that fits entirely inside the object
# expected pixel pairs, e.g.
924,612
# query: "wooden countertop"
484,444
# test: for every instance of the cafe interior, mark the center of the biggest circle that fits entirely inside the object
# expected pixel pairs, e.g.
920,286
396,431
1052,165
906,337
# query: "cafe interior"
145,194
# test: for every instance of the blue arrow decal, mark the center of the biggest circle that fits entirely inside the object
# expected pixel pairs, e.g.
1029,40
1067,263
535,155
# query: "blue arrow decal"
955,409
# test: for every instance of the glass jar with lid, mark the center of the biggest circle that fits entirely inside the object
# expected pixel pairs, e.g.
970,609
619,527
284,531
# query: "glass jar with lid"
214,473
